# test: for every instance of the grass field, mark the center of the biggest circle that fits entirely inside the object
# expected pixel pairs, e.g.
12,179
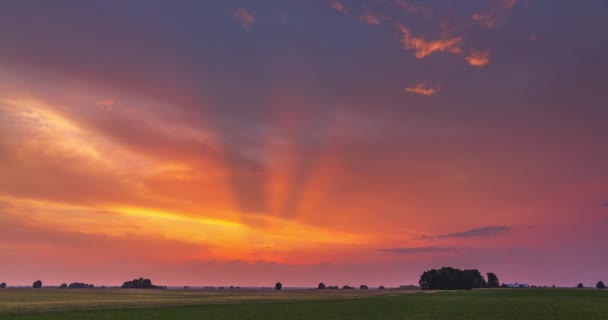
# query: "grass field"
305,304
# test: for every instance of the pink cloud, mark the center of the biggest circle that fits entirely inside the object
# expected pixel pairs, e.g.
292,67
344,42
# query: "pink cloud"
245,17
337,5
369,17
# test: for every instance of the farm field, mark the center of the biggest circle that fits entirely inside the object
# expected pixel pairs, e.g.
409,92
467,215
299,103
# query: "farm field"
304,304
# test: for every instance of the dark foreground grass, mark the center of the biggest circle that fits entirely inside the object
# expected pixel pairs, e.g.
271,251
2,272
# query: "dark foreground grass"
477,304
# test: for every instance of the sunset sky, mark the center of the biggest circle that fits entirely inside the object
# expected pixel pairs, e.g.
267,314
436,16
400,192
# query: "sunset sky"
350,142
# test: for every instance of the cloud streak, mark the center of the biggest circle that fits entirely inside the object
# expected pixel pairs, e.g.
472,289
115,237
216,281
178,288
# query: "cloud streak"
422,88
489,231
338,6
418,250
423,47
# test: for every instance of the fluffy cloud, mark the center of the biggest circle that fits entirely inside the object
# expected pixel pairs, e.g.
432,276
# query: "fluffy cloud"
478,58
245,17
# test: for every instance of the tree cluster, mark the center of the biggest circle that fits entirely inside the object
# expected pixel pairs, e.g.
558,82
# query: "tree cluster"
322,286
448,278
80,285
140,283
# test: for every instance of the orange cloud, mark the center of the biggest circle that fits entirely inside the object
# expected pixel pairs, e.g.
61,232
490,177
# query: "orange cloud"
424,47
478,58
245,17
494,15
337,5
423,89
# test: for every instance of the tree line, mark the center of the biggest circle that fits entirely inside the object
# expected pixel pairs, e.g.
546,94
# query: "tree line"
446,278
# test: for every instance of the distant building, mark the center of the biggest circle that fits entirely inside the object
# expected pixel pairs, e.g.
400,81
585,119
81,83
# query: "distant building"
517,285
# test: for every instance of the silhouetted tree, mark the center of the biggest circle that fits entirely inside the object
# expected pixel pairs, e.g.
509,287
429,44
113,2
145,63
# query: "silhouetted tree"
147,283
63,286
363,287
141,283
381,288
347,287
321,286
600,285
2,285
493,280
278,286
448,278
37,284
580,286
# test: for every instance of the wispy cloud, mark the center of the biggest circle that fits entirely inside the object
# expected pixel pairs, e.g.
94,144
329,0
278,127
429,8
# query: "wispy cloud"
425,47
106,104
369,17
489,231
424,12
478,58
245,17
338,6
414,250
494,16
422,88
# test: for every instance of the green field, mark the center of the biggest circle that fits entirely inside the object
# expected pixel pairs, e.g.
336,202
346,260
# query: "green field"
305,304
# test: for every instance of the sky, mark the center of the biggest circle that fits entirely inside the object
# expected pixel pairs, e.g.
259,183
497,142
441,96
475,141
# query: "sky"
345,142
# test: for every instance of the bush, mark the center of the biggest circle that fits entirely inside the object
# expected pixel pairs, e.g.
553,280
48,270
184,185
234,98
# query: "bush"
381,288
580,286
2,285
37,284
363,287
278,286
63,286
321,286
